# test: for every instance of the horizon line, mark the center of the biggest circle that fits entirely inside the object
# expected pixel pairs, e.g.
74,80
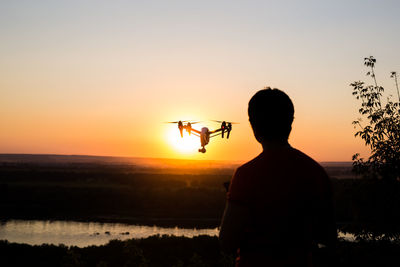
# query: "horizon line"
135,157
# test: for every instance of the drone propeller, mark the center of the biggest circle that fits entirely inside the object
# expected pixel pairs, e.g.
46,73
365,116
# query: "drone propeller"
182,122
226,122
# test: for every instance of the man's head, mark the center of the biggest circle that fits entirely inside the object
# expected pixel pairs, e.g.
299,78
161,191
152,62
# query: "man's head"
271,115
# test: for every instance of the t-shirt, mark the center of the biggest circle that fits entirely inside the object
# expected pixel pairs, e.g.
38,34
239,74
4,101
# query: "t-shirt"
289,199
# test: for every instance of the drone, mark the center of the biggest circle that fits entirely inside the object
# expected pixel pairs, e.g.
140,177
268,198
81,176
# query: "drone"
205,134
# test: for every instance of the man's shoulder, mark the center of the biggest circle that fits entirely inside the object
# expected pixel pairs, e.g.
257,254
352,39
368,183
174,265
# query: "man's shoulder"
292,156
249,165
307,161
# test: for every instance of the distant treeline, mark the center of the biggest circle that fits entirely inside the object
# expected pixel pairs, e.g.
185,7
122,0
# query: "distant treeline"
110,193
116,194
178,251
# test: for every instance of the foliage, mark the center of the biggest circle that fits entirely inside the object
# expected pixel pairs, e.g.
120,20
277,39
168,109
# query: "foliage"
381,131
175,251
152,251
368,208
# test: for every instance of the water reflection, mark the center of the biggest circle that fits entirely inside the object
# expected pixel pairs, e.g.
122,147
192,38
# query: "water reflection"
84,234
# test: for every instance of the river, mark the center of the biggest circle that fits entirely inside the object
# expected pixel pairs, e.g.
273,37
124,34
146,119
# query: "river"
82,234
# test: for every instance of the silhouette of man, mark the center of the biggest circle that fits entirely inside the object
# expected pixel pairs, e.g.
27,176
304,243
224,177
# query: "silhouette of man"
279,205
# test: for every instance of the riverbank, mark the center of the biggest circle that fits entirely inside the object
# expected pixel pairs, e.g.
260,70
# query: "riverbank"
176,251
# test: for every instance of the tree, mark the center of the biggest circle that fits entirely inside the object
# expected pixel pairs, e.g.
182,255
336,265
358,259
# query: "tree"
379,127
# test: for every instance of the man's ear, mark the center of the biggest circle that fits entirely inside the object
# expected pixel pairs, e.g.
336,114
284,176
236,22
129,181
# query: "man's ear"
257,135
256,132
290,130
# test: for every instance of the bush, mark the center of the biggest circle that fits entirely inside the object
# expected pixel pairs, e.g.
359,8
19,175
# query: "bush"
381,131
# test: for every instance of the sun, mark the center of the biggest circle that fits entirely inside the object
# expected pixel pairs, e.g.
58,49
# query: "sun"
188,144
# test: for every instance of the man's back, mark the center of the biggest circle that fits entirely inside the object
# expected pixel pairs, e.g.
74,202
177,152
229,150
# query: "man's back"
280,203
289,203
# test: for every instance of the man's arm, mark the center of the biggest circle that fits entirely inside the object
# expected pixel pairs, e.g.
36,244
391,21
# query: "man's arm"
232,226
325,232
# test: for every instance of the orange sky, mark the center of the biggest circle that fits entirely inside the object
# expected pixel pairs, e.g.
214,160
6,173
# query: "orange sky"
100,78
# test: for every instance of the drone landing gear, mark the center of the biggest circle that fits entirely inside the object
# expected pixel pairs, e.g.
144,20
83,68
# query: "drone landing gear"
202,150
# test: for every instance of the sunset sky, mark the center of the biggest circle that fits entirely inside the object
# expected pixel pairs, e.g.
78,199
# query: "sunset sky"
101,77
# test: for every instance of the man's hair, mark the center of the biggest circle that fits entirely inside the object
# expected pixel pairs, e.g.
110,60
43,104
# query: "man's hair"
271,114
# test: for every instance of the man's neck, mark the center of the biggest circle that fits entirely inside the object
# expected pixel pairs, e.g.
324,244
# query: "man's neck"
275,144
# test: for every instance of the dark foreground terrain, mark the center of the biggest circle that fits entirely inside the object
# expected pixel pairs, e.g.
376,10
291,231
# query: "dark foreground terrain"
177,195
177,251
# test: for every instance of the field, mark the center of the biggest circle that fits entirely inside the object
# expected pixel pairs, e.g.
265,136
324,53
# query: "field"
112,192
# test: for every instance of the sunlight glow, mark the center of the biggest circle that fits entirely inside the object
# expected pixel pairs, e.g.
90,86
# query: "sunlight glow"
189,144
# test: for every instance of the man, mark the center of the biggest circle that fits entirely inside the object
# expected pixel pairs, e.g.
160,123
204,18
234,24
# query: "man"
279,205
